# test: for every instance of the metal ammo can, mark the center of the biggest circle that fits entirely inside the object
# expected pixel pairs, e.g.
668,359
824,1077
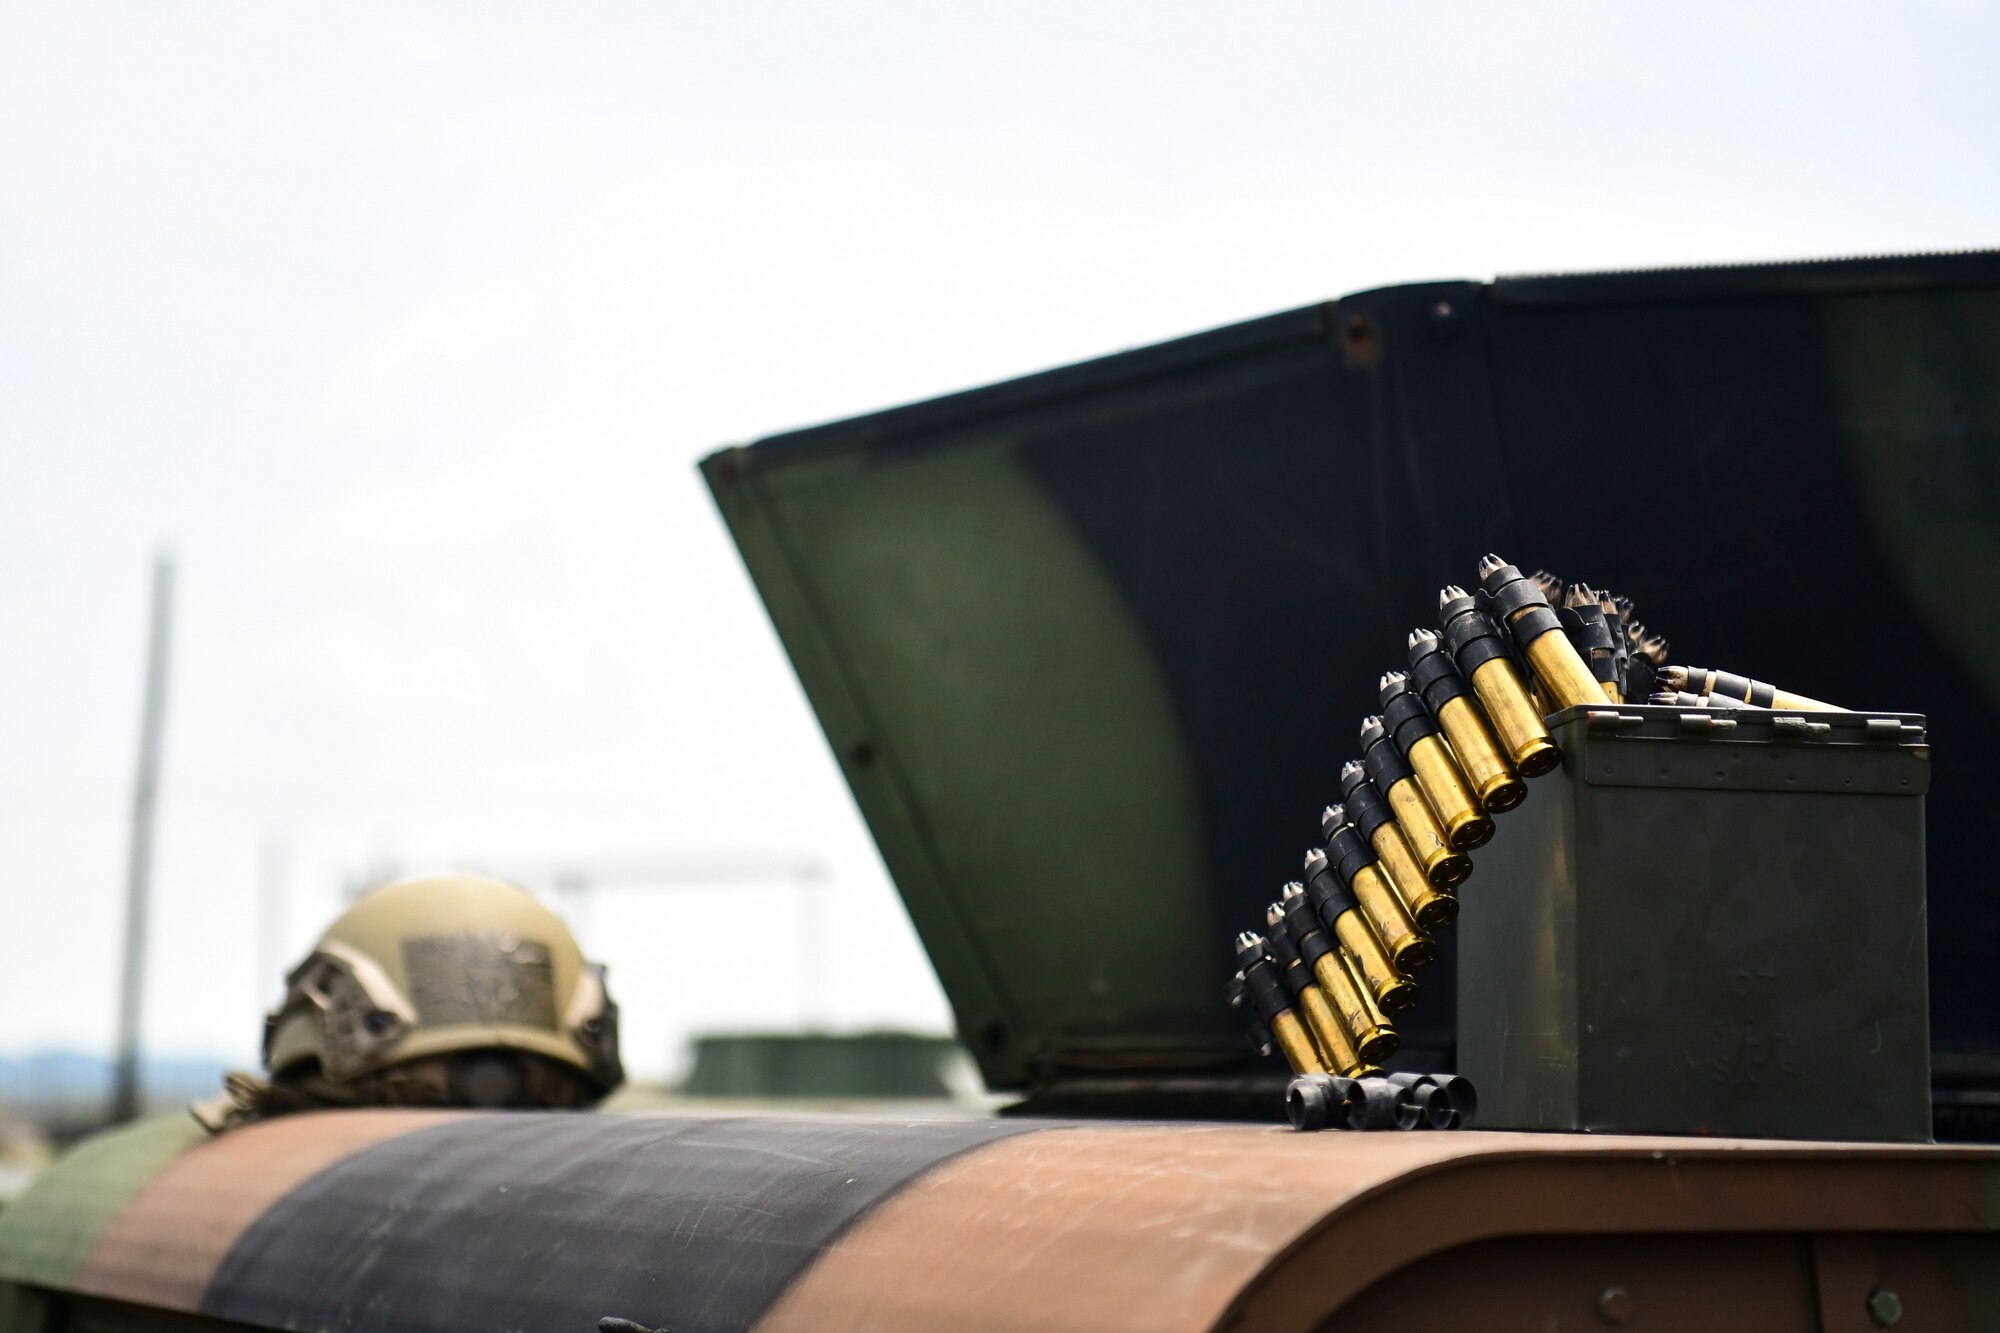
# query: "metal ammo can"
1706,923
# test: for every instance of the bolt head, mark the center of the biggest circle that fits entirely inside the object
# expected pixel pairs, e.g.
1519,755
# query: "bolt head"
1614,1305
1885,1307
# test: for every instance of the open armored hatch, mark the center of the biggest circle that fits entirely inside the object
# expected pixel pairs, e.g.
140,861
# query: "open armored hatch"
1092,645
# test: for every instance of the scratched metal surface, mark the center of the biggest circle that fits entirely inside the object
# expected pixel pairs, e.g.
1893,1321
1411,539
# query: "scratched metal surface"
551,1221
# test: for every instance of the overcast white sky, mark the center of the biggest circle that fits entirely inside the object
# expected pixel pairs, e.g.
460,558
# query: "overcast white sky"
405,325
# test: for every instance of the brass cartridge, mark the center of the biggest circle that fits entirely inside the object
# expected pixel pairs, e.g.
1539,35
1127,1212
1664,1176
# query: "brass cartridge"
1374,1039
1705,680
1267,990
1435,676
1445,787
1427,905
1388,990
1519,606
1395,934
1493,779
1298,1048
1393,991
1480,653
1466,826
1330,1036
1394,778
1352,966
1336,1047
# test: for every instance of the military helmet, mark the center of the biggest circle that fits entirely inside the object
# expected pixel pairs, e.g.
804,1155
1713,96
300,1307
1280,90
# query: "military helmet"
424,975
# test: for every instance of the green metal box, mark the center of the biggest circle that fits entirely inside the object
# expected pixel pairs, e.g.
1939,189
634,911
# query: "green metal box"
1706,923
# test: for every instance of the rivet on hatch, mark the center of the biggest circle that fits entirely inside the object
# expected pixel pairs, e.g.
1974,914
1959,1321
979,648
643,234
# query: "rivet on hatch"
1885,1307
1614,1305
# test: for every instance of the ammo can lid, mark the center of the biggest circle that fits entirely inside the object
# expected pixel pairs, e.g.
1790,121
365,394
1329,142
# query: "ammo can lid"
1746,748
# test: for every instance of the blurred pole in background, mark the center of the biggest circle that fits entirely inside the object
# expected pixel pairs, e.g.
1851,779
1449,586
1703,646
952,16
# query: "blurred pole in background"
139,869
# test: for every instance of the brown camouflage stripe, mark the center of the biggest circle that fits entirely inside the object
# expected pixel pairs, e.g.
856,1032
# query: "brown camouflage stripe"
163,1249
1198,1227
1093,1227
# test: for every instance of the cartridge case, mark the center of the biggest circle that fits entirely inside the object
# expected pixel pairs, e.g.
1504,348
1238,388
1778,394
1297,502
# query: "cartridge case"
1374,1040
1480,651
1437,680
1567,682
1714,929
1442,866
1378,830
1295,1043
1426,904
1493,778
1514,602
1265,982
1395,992
1352,966
1349,849
1397,781
1401,941
1398,865
1329,1032
1331,886
1372,1037
1414,732
1451,799
1516,720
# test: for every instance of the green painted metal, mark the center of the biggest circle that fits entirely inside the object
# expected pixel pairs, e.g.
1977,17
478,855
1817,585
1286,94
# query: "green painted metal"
1712,931
1022,869
47,1232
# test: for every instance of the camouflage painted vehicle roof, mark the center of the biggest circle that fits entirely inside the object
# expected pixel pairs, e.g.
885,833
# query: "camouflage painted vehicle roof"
483,1221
